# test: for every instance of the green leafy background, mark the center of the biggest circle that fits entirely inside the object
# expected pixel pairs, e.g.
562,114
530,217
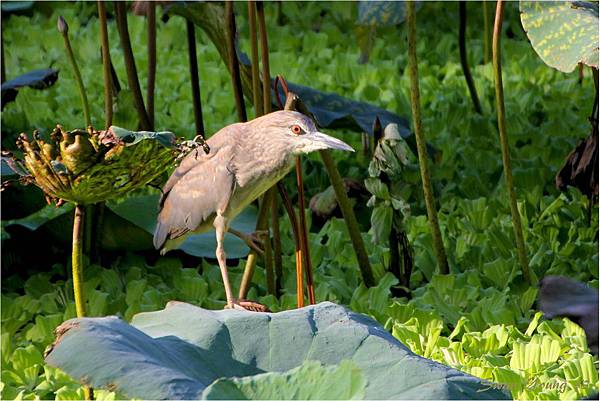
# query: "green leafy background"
481,319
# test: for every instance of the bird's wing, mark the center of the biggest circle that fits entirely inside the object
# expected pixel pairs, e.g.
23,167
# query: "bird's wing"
197,156
195,192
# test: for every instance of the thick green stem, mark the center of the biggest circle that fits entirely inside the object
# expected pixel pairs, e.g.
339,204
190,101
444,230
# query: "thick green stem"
3,73
108,100
77,266
462,46
349,217
516,218
270,277
151,62
487,51
258,107
64,30
132,76
420,139
264,48
234,65
277,248
193,59
77,259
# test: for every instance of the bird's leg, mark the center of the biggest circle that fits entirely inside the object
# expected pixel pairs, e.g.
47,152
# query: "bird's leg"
220,225
255,240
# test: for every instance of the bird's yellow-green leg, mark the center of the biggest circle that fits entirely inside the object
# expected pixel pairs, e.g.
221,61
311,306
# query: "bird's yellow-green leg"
220,225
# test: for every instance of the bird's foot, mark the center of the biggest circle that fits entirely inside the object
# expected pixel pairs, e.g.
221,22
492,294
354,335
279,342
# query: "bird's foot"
244,304
254,241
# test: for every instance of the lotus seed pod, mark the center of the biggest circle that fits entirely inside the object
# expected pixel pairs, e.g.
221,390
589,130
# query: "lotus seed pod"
79,155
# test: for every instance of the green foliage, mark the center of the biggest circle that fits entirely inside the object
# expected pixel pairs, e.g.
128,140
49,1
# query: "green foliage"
310,381
563,33
480,319
464,308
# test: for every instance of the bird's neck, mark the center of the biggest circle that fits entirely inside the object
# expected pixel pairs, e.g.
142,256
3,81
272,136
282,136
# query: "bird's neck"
257,162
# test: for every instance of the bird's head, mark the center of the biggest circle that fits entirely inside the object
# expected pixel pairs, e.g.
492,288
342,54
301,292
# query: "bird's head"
298,132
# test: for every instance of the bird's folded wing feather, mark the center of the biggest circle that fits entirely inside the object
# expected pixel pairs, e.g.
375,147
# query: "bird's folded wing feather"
195,192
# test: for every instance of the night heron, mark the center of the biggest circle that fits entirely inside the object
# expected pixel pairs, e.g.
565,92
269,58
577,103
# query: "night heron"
245,159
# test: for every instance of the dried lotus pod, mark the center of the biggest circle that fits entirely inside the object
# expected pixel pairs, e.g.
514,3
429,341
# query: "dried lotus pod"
89,166
79,155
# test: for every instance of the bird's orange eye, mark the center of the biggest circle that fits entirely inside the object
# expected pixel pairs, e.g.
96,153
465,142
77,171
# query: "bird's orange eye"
296,129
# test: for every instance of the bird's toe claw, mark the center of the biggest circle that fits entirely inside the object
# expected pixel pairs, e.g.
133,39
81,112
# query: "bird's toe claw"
244,304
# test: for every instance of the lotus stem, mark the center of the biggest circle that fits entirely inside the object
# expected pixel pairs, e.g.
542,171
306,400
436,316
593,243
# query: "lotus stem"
3,73
464,62
234,66
151,62
266,107
420,139
277,248
270,277
77,259
63,28
77,266
132,77
486,33
193,58
516,218
108,103
349,217
264,48
303,232
254,53
295,228
247,275
116,85
594,123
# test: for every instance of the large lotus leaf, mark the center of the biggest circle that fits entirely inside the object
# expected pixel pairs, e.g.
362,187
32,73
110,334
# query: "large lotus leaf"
563,33
142,210
37,79
177,353
330,109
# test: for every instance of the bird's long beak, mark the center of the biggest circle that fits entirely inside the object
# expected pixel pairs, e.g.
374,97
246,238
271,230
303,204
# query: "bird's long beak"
322,141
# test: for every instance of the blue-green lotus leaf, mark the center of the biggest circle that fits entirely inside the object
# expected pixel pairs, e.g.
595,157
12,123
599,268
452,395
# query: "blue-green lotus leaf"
142,210
186,352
